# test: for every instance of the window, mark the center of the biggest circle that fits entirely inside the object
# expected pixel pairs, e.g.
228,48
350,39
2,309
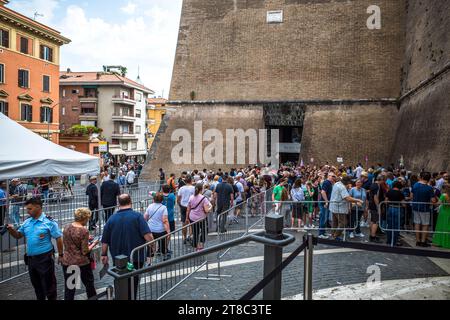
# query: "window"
24,78
133,145
138,129
46,83
2,73
64,93
138,96
4,38
63,111
124,145
46,53
4,107
74,108
138,113
124,128
46,115
75,91
24,45
96,150
26,112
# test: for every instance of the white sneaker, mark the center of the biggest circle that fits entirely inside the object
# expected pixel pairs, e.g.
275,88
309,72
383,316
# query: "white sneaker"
362,224
359,235
352,235
322,236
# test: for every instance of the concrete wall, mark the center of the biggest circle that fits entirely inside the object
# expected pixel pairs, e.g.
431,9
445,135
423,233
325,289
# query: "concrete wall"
348,131
323,50
423,127
220,117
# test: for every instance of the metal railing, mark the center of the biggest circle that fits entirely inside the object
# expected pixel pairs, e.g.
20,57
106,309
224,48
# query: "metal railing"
156,277
61,211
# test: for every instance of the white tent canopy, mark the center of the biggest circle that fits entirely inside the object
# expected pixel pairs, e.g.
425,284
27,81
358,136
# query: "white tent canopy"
24,154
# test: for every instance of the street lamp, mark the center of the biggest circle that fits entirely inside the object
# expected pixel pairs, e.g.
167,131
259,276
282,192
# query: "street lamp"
48,121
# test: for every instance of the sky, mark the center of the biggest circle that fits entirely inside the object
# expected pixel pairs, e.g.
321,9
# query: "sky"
133,33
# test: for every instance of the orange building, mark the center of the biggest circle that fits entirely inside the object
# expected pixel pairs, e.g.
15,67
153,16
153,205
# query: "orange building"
29,72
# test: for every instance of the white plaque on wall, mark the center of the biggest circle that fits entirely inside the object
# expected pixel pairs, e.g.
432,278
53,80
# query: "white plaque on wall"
275,16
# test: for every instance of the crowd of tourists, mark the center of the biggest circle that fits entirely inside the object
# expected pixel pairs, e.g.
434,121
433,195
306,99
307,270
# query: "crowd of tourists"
338,202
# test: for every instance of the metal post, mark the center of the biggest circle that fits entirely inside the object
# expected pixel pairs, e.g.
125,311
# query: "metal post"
121,286
273,256
308,260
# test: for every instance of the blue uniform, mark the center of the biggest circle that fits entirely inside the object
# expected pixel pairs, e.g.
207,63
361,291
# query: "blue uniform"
39,233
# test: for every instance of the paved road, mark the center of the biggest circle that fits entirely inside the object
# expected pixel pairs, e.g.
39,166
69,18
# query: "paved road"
332,267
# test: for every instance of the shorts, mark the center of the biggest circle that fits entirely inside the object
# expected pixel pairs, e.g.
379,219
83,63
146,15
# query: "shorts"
422,218
298,211
183,211
374,216
172,226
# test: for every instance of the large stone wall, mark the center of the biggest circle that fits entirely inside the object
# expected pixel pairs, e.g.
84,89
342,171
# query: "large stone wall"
221,117
423,125
348,131
323,50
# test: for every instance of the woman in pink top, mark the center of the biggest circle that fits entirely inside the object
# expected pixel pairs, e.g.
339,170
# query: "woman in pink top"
197,210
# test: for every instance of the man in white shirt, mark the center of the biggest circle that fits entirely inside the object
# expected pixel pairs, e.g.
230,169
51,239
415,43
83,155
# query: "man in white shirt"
359,171
340,205
130,177
184,193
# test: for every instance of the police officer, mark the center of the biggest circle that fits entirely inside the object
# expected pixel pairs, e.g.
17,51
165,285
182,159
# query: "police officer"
39,231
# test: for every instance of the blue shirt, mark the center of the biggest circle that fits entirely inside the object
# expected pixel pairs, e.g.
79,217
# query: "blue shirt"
169,202
39,233
327,186
125,231
2,197
359,194
422,193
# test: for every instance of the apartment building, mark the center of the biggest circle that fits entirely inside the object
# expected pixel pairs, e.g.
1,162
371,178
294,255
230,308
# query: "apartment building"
111,102
29,72
156,109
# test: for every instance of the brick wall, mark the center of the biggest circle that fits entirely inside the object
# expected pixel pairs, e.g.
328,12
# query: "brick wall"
322,50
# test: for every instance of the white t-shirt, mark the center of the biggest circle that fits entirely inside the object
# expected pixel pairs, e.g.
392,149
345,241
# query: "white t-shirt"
241,190
359,171
130,177
185,193
155,213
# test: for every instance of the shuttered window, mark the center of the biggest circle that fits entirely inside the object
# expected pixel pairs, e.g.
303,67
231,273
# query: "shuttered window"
26,112
24,45
46,115
4,38
24,78
4,107
46,83
46,53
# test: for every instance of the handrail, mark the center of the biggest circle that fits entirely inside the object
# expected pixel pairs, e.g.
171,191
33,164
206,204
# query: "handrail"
258,237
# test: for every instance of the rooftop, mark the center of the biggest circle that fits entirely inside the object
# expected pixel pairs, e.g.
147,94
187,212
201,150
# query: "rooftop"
97,77
30,24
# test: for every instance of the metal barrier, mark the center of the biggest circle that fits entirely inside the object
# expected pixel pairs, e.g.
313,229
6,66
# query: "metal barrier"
13,250
399,217
129,286
341,224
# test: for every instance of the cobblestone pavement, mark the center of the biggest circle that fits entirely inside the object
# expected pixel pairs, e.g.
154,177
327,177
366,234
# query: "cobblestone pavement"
332,267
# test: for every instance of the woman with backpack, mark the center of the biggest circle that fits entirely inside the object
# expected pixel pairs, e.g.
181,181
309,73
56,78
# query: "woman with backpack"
197,210
157,218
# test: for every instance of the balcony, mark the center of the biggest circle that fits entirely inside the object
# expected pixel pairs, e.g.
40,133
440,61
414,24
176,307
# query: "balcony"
123,100
88,117
123,117
124,135
88,99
